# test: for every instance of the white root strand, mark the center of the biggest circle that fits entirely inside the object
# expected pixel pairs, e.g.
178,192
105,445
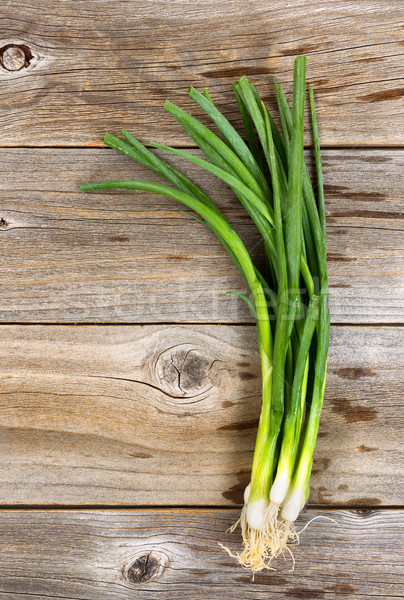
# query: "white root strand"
261,547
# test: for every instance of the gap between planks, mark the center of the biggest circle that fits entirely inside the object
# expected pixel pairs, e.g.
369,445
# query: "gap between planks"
171,323
184,508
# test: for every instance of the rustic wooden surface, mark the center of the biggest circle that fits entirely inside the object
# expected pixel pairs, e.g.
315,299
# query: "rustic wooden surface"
98,410
168,415
99,64
67,256
88,555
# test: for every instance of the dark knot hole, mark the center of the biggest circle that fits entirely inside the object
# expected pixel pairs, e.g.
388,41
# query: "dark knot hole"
144,568
14,57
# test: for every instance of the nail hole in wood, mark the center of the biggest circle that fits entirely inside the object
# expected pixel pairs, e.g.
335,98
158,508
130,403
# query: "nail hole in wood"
364,512
143,569
15,57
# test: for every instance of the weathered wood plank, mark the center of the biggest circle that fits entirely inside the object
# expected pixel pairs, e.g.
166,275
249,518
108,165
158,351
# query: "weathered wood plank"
139,554
168,416
67,256
100,65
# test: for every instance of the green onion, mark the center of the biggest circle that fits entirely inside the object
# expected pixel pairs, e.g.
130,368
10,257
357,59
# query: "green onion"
269,177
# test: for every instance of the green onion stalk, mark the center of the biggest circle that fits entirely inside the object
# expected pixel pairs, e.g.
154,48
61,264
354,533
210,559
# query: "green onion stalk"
289,297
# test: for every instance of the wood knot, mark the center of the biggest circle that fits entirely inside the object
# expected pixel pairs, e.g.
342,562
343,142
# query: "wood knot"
185,371
15,57
3,223
145,567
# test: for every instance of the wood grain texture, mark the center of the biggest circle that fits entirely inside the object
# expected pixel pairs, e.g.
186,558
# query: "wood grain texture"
100,65
150,415
88,555
168,416
66,256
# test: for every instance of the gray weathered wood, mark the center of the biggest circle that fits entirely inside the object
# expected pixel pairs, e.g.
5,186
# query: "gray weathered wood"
102,64
129,257
88,555
149,415
168,415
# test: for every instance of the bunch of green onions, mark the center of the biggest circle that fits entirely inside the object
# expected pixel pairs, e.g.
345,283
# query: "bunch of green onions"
290,300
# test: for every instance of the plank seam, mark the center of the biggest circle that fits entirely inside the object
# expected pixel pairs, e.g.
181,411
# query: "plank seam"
387,146
173,323
159,507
